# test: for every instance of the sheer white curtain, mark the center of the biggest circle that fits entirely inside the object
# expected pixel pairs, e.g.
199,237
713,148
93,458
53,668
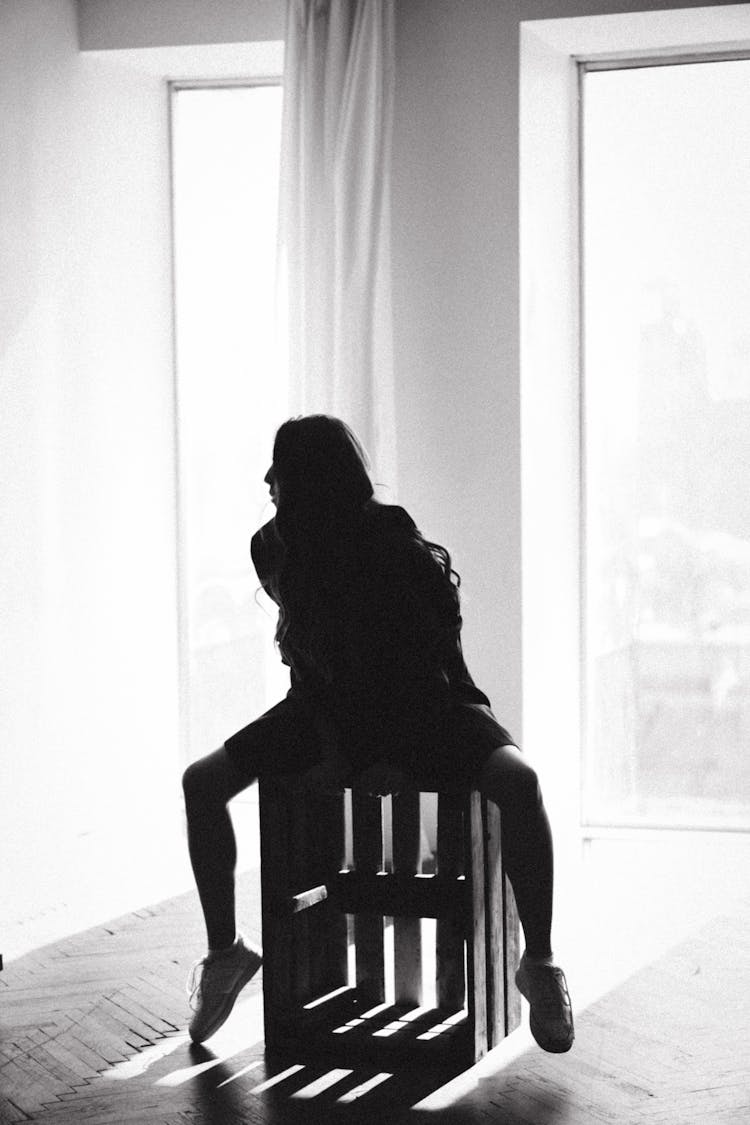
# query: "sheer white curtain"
335,216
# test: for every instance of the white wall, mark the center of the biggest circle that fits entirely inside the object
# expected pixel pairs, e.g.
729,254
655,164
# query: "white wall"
87,458
455,221
167,23
88,611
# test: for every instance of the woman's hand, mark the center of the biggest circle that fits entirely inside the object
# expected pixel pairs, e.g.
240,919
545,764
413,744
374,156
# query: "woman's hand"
380,779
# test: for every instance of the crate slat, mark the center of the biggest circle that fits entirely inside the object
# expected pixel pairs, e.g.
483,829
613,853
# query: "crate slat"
299,863
367,820
476,954
277,924
328,924
407,931
450,974
495,923
511,957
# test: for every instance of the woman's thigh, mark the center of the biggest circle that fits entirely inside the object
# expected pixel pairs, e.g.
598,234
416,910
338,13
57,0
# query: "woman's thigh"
214,780
506,778
286,739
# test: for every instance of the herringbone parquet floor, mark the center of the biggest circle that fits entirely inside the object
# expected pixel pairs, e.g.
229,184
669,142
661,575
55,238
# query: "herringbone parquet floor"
92,1031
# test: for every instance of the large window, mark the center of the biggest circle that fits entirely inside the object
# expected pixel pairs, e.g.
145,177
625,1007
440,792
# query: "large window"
232,394
666,424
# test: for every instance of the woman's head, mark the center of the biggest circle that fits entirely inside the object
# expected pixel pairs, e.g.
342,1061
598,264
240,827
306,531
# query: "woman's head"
319,468
338,570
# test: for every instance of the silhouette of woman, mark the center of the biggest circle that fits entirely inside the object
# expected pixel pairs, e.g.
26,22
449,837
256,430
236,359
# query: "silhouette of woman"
370,626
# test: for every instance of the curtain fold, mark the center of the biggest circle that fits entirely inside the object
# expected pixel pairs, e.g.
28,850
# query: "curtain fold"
334,234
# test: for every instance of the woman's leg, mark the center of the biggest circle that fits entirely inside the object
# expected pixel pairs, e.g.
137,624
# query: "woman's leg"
284,740
281,741
209,784
513,785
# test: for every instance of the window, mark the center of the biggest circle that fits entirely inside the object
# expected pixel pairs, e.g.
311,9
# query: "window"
666,424
232,394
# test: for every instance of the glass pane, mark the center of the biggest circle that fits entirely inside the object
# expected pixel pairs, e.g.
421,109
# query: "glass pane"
232,394
666,260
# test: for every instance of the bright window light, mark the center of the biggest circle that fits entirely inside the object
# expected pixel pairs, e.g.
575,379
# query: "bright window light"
666,422
232,393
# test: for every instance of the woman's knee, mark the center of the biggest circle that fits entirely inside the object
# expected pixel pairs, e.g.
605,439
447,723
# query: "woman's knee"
507,779
194,782
208,779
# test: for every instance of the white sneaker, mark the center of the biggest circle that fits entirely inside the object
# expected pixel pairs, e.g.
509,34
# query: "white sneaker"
214,984
551,1016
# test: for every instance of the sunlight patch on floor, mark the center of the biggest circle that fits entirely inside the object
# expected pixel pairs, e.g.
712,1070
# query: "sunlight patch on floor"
277,1079
499,1059
243,1029
187,1073
241,1032
241,1073
145,1059
364,1088
320,1085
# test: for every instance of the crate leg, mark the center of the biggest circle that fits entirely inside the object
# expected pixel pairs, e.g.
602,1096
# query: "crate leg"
276,923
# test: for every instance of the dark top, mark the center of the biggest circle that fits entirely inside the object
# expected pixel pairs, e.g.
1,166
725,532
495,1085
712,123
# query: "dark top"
387,618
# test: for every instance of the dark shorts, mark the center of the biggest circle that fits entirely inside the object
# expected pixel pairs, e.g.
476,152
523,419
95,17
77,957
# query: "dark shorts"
291,737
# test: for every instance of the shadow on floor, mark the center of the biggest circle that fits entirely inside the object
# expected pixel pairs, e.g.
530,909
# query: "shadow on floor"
278,1090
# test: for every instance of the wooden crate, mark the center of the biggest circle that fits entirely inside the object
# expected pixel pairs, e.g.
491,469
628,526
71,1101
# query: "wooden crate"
316,905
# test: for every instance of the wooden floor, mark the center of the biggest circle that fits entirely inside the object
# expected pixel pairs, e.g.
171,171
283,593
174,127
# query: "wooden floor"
92,1031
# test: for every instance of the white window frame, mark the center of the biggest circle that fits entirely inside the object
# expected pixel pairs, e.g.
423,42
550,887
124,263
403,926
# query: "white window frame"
638,60
553,54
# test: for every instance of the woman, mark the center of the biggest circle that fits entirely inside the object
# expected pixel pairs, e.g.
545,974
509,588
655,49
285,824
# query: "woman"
370,627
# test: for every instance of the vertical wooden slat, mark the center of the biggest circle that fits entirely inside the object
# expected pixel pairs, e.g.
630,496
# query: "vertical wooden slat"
476,951
324,856
450,932
311,866
276,925
327,924
367,827
407,932
512,945
495,926
299,862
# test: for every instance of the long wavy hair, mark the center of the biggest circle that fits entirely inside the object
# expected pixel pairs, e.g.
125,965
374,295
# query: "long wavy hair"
327,520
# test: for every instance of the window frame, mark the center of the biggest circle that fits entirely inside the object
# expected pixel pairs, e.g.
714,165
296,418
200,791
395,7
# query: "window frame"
591,827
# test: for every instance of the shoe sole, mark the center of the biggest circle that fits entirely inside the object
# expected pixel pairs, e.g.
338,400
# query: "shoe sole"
199,1036
552,1046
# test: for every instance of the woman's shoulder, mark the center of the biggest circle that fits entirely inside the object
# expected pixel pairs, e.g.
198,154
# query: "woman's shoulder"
390,515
